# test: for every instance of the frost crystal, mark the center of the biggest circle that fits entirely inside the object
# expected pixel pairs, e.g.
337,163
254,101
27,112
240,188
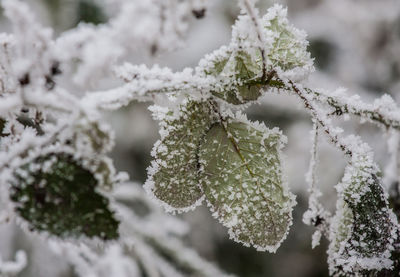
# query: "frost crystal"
242,179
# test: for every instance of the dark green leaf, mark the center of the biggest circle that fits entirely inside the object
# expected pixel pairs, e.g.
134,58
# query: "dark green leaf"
54,193
362,230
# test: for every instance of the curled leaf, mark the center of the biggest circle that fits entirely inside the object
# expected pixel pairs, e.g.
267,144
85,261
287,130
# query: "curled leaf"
55,193
242,179
363,230
173,174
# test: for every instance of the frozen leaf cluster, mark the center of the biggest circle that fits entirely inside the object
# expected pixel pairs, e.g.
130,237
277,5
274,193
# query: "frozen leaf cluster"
241,68
234,164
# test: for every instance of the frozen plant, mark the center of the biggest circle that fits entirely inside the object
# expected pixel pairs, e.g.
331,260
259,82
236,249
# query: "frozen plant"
58,181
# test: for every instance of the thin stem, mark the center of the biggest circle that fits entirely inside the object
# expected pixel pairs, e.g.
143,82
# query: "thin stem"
253,14
310,106
313,164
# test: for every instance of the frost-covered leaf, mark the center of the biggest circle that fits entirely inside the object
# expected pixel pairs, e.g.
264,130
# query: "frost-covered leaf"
55,193
363,230
173,174
289,45
242,179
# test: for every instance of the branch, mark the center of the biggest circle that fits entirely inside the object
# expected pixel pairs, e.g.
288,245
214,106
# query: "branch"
388,117
344,104
143,83
320,118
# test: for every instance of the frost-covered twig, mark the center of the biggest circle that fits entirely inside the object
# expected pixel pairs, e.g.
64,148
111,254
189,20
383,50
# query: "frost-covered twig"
320,117
144,83
159,26
316,214
383,111
13,268
162,234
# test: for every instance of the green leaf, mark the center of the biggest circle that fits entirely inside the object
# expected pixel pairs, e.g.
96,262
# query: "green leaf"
289,46
55,193
242,179
363,230
173,174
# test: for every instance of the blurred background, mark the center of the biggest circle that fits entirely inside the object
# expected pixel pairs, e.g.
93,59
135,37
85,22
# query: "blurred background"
355,43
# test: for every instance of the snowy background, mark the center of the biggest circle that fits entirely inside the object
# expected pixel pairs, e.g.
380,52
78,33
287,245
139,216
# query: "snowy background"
356,45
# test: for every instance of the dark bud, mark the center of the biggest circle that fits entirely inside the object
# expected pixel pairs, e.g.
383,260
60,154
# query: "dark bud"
29,122
153,49
317,221
55,68
199,13
338,111
24,80
2,125
50,84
